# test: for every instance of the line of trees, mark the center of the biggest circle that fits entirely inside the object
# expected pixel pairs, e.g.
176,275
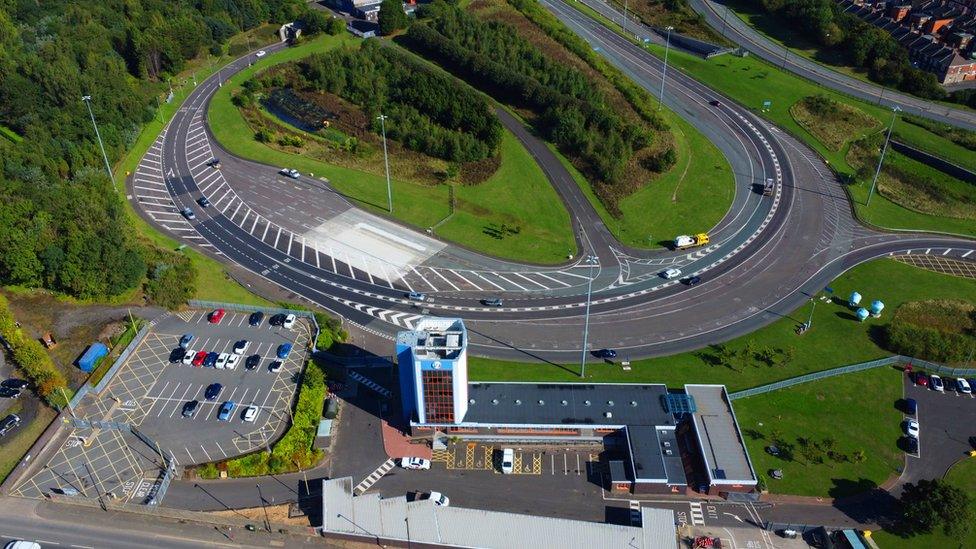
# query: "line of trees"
862,44
570,111
33,360
427,111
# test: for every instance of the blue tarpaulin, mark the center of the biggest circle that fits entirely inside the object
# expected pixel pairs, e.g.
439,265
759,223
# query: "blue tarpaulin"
94,352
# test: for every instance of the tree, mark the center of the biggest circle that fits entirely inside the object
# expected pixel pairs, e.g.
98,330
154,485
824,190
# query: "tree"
930,504
392,17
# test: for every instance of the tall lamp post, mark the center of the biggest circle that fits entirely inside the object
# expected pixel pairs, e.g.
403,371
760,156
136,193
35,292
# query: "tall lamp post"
386,163
884,149
664,73
108,167
591,259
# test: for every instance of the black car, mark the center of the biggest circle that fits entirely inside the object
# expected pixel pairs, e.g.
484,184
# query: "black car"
255,318
176,355
692,280
911,445
15,383
203,202
190,408
277,320
7,392
214,163
252,362
211,360
8,423
606,353
275,366
493,302
213,391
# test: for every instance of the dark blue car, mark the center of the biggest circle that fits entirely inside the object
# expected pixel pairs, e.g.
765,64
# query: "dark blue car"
284,350
211,360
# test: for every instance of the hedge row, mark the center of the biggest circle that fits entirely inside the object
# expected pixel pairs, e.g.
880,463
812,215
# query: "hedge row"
32,359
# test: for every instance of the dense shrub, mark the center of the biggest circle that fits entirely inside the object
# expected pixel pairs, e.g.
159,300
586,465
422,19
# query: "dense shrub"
942,331
170,281
392,17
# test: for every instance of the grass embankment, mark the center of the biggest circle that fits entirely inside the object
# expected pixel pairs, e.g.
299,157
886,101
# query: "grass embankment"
832,123
822,452
962,475
836,339
19,441
517,195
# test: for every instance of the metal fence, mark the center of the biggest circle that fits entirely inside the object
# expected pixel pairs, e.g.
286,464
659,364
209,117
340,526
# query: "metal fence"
915,363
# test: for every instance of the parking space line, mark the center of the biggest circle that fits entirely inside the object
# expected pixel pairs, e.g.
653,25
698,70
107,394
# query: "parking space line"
457,274
182,397
205,453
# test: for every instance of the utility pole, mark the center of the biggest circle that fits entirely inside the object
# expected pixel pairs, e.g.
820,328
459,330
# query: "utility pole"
884,149
108,167
386,162
664,72
591,259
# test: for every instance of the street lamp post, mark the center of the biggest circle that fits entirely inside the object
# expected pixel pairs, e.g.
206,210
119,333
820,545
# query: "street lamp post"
664,73
586,323
813,308
386,163
108,167
884,149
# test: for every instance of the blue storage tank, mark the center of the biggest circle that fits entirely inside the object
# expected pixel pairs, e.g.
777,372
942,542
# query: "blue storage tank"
94,352
876,307
854,300
862,314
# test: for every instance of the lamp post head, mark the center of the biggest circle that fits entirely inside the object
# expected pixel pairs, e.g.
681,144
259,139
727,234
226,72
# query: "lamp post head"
86,98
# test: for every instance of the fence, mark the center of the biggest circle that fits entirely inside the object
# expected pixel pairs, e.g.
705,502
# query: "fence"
915,363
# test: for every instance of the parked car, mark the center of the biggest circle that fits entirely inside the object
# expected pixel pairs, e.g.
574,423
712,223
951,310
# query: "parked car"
241,347
7,392
492,302
250,414
185,340
199,359
911,428
188,213
22,544
416,296
275,366
936,383
277,320
203,202
225,410
963,386
222,360
691,280
668,274
949,384
189,357
255,318
14,383
911,445
8,423
176,355
211,359
289,322
233,361
438,498
921,379
415,463
252,362
214,163
284,350
217,315
213,391
606,353
911,406
508,461
190,408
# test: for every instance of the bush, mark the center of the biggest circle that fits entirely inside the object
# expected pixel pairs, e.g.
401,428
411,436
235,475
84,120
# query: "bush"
171,279
32,359
941,331
662,161
264,135
392,17
330,332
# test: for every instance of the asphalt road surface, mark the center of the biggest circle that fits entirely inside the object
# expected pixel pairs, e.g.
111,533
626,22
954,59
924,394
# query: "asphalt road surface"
766,257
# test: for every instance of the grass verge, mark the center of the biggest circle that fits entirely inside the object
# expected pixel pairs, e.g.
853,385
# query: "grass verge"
20,441
836,339
822,452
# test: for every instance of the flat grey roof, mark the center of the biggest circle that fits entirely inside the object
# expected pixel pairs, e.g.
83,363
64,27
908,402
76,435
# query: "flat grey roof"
723,449
567,404
422,522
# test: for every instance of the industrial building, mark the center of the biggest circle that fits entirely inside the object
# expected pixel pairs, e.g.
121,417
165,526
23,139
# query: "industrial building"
675,441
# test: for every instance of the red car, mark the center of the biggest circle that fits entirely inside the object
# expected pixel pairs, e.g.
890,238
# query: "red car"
216,316
198,360
921,379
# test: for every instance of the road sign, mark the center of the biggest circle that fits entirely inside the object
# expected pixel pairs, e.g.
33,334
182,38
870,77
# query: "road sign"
767,104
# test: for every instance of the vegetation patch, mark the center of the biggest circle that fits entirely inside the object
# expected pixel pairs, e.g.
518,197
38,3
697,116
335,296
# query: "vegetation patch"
819,450
675,13
938,330
959,136
832,122
32,359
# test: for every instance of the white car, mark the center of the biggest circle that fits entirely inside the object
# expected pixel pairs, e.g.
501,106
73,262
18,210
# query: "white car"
261,53
222,361
438,498
188,357
290,172
241,347
935,382
22,545
508,461
963,386
911,428
289,322
250,414
233,361
415,463
671,273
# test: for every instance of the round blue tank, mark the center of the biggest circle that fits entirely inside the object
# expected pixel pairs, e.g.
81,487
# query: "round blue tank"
862,313
855,299
876,307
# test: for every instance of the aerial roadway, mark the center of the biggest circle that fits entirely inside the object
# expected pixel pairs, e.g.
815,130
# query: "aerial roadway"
789,231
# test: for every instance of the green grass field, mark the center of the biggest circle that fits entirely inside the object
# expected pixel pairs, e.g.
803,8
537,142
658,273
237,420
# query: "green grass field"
518,194
961,475
835,339
823,410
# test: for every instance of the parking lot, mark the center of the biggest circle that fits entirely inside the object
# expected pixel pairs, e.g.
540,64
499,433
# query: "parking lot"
149,392
946,430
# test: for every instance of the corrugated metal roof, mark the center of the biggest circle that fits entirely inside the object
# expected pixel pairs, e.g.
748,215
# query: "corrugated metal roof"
658,527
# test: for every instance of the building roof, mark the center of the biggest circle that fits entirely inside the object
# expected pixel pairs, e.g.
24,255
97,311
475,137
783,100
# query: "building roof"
654,455
422,522
606,404
435,338
724,452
